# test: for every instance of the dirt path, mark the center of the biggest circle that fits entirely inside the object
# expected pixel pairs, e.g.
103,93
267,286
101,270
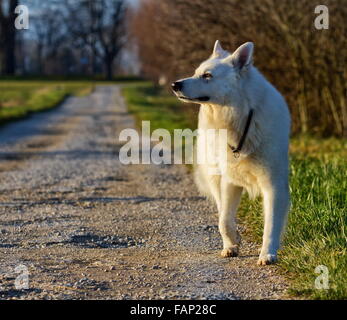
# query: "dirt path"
87,227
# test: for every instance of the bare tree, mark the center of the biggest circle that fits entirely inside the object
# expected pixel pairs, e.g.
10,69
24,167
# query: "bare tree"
50,35
306,64
8,35
100,25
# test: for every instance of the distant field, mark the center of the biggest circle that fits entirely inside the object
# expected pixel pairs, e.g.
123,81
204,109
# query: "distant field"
316,233
20,98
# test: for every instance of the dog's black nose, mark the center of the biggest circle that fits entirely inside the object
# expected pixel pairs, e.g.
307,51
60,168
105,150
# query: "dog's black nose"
177,86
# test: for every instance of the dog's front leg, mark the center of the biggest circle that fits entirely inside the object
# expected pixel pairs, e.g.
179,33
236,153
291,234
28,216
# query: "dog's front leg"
276,205
230,199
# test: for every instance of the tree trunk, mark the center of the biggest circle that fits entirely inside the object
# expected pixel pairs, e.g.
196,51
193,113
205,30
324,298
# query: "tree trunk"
8,39
109,67
40,67
10,55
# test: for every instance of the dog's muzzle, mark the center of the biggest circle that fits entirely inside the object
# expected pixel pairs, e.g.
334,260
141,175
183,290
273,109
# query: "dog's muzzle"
177,86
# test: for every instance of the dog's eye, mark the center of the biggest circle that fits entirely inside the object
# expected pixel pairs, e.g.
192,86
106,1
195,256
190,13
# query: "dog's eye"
207,76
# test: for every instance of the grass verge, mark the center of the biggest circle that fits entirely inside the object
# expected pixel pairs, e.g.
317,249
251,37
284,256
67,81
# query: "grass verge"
147,102
316,233
21,98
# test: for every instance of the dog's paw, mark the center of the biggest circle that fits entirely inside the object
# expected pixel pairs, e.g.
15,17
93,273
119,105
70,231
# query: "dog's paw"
267,259
230,252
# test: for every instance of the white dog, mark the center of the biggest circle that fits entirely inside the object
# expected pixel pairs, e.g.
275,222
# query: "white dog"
235,96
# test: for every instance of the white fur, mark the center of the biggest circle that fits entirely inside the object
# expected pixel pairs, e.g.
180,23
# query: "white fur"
236,87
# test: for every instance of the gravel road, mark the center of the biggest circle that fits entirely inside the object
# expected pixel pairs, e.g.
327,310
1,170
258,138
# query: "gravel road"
86,227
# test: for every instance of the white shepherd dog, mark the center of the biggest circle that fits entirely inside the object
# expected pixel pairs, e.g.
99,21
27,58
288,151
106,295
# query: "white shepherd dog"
235,96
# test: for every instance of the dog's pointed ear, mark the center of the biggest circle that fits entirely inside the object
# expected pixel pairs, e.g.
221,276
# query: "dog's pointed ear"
218,51
243,56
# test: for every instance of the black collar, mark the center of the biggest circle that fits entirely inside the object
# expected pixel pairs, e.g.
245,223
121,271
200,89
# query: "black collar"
237,150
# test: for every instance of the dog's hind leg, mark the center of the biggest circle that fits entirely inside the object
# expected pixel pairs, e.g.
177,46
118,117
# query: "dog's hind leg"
276,205
230,199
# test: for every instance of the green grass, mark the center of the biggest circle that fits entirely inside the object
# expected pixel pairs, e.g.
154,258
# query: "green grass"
316,233
20,98
147,102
